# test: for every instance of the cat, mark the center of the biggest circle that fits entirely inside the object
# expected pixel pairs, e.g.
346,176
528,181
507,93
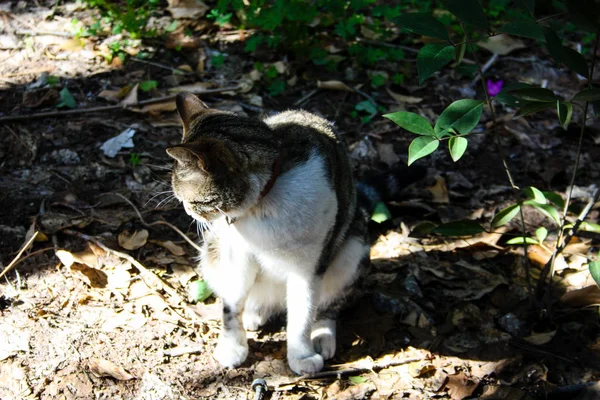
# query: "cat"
286,228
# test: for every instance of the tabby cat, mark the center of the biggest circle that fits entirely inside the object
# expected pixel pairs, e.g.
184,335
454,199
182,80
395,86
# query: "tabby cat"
284,233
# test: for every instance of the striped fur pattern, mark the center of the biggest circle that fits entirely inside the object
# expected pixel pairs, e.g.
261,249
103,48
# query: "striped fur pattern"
298,248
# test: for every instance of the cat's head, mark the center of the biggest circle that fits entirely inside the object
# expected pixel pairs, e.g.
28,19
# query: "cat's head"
223,162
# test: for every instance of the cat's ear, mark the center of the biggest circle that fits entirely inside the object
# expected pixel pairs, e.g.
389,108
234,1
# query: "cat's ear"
189,108
186,156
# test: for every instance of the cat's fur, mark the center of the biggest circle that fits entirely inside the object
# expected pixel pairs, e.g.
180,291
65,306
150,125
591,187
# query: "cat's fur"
285,234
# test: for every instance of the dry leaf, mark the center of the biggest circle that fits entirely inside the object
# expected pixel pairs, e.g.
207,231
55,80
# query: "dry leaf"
183,273
501,44
124,320
94,277
460,386
169,245
280,67
163,106
539,339
132,97
402,99
334,85
582,297
133,241
439,191
87,257
110,95
144,296
100,367
195,88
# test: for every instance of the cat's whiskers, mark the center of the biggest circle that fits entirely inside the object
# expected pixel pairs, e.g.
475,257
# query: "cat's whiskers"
156,195
165,201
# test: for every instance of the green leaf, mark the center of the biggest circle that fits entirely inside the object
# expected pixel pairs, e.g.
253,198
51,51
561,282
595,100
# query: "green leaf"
147,86
66,99
553,44
366,106
510,100
564,110
575,61
381,213
469,11
422,24
431,58
459,228
534,94
594,267
587,95
522,240
547,209
424,228
457,147
529,29
357,379
535,194
505,215
589,227
199,291
531,108
411,122
555,199
462,116
171,26
422,146
541,234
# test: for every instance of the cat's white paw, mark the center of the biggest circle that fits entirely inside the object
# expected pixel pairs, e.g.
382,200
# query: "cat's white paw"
230,353
253,320
324,345
306,365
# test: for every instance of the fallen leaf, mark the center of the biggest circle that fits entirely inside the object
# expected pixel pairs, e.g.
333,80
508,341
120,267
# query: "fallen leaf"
144,296
133,241
501,44
13,381
582,297
460,386
402,99
387,153
183,273
123,140
124,320
132,97
188,9
439,191
169,245
86,257
94,277
539,339
100,367
334,85
110,95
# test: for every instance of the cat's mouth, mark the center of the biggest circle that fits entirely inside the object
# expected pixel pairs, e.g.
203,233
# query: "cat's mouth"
188,209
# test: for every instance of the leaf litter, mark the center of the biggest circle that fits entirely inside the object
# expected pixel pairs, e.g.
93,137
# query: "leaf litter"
440,317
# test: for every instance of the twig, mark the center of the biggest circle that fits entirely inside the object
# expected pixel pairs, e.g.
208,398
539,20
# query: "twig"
560,244
359,370
183,235
163,66
32,32
152,280
485,67
306,97
107,108
15,260
33,253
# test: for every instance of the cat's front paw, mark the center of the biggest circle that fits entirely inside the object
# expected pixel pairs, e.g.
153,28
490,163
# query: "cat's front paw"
324,345
306,365
230,353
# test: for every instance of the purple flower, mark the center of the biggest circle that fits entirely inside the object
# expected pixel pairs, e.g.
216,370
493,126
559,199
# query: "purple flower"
494,87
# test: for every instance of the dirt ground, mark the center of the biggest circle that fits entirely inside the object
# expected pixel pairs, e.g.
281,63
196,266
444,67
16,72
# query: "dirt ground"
98,306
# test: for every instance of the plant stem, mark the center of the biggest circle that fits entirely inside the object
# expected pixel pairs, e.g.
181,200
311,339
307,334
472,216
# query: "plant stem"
494,122
560,244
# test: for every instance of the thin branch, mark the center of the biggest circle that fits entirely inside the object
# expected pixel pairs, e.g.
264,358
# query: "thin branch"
183,235
15,260
163,66
359,370
108,108
560,244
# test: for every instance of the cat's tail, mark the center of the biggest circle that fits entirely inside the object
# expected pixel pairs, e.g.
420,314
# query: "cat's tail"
387,186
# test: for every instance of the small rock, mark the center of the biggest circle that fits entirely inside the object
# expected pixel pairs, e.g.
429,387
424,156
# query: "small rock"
513,325
63,157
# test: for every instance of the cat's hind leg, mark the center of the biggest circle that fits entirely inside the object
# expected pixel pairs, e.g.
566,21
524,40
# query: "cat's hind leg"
266,298
337,286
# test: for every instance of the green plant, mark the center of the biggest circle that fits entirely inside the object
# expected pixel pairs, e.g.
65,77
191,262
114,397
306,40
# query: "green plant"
135,159
459,119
